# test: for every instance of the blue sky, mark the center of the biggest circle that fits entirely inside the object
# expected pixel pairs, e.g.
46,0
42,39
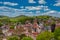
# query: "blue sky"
14,8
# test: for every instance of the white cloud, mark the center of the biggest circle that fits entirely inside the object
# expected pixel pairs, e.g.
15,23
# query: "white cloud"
57,3
35,7
22,7
28,10
52,13
10,3
32,1
46,8
12,12
16,12
49,12
9,11
41,1
37,12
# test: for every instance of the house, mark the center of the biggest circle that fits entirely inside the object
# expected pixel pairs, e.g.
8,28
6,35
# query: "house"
5,29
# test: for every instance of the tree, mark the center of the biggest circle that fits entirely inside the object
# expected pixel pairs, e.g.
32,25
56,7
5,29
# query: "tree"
12,27
45,36
22,36
1,24
57,34
27,38
12,38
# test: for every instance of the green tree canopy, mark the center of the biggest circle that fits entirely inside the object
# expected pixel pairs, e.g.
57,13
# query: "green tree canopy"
12,38
45,36
27,38
57,34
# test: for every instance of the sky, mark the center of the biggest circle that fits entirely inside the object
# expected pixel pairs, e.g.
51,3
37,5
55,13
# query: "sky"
13,8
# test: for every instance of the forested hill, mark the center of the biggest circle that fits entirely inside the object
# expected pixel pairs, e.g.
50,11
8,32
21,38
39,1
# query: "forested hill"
22,18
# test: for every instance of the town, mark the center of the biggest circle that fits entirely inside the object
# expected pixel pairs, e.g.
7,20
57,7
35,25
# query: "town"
29,28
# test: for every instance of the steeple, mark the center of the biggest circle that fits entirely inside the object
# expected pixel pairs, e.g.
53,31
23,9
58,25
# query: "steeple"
35,24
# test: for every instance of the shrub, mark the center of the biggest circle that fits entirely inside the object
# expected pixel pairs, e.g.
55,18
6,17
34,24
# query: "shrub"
12,38
22,36
45,36
27,38
1,24
11,27
57,34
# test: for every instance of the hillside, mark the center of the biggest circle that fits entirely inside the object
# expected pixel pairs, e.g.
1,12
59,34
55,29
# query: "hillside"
22,18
